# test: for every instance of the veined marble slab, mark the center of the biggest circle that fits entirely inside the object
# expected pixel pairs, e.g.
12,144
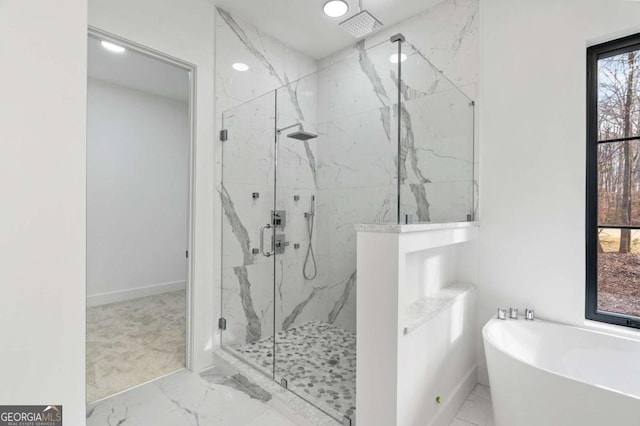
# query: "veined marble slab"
184,399
392,228
284,400
426,308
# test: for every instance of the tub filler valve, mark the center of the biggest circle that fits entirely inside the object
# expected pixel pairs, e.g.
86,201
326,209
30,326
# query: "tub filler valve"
513,313
502,314
528,314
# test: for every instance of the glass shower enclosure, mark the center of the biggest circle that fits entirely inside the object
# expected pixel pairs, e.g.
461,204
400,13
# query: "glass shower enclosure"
381,136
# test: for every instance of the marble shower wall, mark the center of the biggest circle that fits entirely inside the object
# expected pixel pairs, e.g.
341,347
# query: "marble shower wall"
357,116
440,78
247,106
437,165
350,167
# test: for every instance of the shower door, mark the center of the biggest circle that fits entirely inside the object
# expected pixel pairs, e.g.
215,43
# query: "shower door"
301,166
247,194
297,273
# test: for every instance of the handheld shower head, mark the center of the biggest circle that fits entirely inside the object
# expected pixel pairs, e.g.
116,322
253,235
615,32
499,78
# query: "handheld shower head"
312,207
310,255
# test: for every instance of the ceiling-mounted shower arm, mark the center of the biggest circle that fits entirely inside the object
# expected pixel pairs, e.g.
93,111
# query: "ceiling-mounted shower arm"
300,134
397,37
298,125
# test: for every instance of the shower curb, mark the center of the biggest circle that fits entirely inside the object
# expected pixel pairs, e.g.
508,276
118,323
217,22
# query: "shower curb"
286,402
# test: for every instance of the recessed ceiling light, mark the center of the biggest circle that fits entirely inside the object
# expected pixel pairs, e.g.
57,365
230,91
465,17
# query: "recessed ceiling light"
335,8
394,58
239,66
112,47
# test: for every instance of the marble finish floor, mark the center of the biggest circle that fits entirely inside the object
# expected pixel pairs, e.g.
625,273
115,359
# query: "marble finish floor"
224,396
476,410
186,399
132,342
317,359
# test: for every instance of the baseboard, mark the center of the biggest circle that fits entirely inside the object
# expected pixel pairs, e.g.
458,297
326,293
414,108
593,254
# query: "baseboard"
448,411
134,293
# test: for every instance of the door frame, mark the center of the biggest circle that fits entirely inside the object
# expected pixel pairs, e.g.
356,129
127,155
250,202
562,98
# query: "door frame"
192,69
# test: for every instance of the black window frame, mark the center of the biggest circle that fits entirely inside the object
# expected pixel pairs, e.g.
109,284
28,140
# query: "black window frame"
594,54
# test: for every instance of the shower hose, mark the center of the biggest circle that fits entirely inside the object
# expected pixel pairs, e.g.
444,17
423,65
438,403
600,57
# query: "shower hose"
310,254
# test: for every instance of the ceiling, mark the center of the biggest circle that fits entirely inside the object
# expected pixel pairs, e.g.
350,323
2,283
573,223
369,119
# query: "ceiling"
302,25
137,71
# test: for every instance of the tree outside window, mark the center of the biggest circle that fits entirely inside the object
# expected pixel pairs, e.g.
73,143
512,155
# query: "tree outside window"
613,194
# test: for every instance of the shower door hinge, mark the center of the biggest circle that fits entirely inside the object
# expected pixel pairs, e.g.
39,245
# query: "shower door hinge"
346,421
186,253
224,135
222,324
284,383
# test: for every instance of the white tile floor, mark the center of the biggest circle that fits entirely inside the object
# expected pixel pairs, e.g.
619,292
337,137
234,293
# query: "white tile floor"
185,399
476,410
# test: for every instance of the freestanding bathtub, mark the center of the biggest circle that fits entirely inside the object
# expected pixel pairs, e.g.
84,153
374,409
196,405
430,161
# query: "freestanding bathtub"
547,374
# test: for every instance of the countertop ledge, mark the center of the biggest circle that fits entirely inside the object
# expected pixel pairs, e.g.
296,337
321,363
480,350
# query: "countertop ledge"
417,227
423,310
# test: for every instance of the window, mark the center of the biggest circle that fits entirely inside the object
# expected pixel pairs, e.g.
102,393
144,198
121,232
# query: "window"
613,182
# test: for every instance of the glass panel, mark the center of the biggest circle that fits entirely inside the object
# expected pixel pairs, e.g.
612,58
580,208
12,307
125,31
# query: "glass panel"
618,100
437,166
336,163
247,195
619,183
619,271
343,174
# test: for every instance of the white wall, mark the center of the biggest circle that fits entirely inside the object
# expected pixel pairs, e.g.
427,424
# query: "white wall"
137,193
532,150
42,222
184,29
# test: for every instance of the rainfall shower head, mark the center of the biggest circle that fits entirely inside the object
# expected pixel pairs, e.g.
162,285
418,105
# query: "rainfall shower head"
361,24
302,135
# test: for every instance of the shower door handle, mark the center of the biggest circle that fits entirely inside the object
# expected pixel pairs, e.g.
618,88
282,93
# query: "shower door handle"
266,254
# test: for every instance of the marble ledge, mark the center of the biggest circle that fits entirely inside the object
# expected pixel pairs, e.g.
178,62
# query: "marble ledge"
391,228
426,308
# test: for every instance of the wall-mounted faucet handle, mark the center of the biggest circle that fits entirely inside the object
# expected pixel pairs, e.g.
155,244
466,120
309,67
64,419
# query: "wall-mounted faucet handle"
528,314
502,314
513,313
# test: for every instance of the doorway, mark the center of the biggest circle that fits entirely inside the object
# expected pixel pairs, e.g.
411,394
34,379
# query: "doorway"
139,216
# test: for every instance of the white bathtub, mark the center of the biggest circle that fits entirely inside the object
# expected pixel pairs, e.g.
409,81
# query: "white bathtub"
547,374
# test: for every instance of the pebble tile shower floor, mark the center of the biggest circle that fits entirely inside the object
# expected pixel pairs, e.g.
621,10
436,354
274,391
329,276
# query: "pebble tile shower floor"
317,359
